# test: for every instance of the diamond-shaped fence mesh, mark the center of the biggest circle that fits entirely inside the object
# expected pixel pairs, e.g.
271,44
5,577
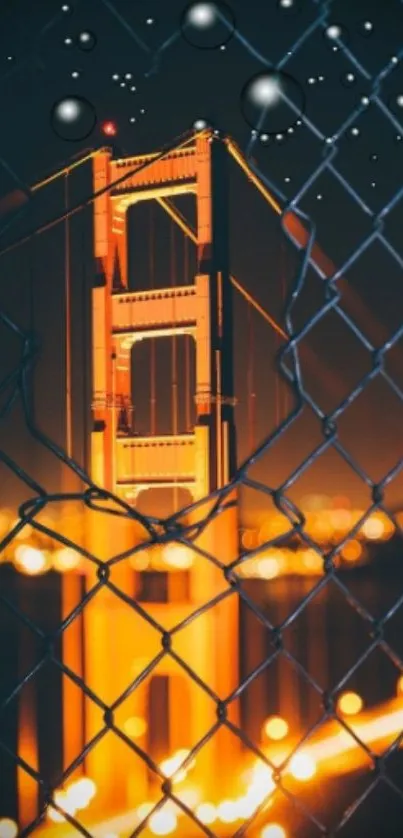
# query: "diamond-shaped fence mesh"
109,722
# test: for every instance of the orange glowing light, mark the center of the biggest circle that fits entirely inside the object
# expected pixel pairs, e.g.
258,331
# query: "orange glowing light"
144,810
276,728
163,822
140,560
135,727
400,686
81,792
273,830
302,767
373,528
350,703
178,556
65,559
206,813
352,551
31,561
312,561
109,128
228,811
8,828
268,568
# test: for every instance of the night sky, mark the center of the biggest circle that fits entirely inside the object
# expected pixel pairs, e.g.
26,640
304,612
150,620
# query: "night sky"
154,75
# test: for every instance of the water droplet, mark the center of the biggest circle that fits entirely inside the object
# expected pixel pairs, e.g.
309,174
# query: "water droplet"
373,158
142,110
299,122
398,138
223,47
116,77
73,118
68,42
364,100
132,119
272,101
355,132
373,184
321,78
66,8
348,79
150,21
399,100
287,179
128,76
394,59
200,124
75,74
264,138
208,25
122,84
335,32
10,58
290,130
287,4
319,197
133,89
367,27
86,40
279,138
311,80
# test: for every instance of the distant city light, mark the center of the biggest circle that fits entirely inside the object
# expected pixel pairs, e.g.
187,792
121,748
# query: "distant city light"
350,704
302,767
275,728
8,828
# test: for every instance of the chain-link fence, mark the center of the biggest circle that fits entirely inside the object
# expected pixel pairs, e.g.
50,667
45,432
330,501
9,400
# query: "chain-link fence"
284,792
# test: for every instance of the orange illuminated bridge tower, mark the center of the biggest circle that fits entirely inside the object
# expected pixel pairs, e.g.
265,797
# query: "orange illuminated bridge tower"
118,641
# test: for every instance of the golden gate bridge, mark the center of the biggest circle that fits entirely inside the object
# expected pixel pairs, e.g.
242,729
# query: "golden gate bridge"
107,644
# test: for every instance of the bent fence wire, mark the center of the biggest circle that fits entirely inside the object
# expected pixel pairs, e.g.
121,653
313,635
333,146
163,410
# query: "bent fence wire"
17,385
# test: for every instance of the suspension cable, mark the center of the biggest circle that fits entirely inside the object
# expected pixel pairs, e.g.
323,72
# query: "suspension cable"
174,365
187,342
251,381
67,291
153,403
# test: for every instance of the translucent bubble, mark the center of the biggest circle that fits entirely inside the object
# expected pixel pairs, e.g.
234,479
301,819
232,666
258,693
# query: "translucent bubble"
334,34
271,102
86,40
208,25
348,79
367,28
73,118
200,124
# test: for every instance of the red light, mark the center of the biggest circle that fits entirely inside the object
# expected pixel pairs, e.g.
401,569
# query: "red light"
110,129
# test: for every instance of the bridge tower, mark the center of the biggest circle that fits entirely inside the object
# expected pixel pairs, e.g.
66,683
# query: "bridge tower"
128,464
